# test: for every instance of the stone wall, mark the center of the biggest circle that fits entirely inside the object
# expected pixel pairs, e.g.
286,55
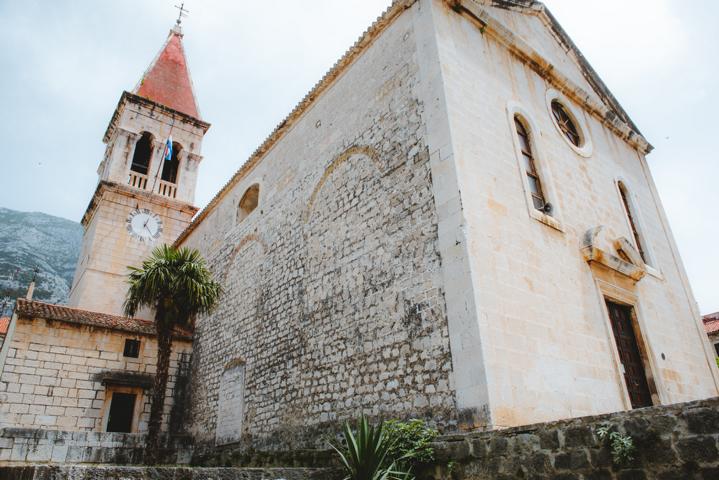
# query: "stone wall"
159,473
57,375
674,442
334,300
108,247
34,445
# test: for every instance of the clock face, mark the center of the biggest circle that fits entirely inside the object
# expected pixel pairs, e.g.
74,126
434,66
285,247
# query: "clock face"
144,225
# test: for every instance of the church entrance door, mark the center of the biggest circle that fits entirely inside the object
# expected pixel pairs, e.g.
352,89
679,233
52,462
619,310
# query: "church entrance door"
625,337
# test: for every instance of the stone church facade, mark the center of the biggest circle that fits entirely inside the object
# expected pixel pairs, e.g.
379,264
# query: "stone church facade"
399,261
457,223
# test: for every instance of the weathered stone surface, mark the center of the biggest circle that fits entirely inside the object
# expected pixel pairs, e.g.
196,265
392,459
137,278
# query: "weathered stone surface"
73,472
59,376
59,447
666,447
334,300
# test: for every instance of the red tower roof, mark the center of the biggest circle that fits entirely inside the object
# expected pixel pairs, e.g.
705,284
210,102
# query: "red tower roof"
167,80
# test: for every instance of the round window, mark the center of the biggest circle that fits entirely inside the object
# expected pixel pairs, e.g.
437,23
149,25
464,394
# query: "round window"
566,124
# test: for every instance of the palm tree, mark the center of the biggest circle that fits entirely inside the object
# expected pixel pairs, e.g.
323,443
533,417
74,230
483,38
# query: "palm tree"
178,285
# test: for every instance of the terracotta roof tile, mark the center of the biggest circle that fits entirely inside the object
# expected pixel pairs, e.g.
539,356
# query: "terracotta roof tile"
4,324
33,309
711,323
167,80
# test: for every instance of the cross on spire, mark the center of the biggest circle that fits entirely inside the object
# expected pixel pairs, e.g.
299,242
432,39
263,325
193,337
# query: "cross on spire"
182,13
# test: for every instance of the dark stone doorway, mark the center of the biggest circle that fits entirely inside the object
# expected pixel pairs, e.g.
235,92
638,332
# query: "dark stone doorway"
122,408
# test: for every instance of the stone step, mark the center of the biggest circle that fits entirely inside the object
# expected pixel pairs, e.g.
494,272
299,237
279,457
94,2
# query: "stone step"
115,472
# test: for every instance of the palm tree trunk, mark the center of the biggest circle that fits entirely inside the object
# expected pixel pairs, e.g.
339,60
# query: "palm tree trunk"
164,349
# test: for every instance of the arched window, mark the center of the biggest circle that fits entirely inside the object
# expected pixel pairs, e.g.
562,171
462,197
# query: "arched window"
143,154
535,184
566,123
631,217
170,167
248,202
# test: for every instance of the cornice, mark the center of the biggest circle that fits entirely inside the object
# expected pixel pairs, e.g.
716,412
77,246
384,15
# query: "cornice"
128,97
105,186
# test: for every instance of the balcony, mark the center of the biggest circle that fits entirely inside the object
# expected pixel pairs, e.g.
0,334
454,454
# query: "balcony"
137,180
166,189
163,188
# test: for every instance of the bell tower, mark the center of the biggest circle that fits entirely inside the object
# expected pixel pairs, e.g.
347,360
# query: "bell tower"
146,185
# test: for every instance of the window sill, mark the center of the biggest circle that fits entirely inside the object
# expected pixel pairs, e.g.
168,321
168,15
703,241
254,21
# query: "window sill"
546,219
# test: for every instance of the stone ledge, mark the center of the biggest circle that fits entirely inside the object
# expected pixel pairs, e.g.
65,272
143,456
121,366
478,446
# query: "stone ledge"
672,441
89,472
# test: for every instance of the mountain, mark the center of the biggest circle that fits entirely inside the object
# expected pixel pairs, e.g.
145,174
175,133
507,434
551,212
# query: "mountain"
36,240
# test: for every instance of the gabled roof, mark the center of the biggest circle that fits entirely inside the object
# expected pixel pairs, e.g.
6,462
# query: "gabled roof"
535,7
711,323
34,309
167,79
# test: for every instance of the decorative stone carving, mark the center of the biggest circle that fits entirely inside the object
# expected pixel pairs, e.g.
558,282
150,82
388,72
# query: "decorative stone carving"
633,267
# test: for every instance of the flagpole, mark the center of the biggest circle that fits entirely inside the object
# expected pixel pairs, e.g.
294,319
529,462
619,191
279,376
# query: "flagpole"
162,162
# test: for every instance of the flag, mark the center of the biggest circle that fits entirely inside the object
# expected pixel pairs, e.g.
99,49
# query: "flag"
168,149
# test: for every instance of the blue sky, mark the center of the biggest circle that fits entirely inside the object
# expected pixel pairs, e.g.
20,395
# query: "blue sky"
65,63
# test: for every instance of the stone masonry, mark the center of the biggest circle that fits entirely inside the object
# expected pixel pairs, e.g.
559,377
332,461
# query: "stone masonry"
334,300
385,252
676,442
395,264
57,373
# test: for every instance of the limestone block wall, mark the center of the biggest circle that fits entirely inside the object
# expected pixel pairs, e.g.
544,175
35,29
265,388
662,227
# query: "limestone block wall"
542,330
100,282
23,446
334,299
52,376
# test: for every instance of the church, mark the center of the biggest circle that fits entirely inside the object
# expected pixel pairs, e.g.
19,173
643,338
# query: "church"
457,223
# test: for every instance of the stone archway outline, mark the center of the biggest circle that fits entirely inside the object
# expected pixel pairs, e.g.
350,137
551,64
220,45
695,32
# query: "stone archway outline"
246,240
339,160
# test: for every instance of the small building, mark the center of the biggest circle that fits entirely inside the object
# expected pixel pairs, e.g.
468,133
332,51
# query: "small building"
69,369
711,326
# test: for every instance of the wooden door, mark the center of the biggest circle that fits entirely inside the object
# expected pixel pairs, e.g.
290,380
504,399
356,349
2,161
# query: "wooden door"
634,375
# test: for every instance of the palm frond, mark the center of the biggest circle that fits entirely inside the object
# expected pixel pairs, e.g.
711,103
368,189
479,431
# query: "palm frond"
176,278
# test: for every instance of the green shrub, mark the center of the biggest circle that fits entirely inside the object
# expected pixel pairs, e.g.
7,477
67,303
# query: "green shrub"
365,454
622,445
410,441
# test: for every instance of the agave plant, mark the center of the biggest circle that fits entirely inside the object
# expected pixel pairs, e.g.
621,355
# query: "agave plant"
366,455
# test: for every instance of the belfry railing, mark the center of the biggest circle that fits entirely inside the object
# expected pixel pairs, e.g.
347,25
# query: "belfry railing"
166,189
137,180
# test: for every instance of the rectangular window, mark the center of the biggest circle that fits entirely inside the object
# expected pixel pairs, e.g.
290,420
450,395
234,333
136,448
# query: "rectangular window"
716,347
132,348
122,408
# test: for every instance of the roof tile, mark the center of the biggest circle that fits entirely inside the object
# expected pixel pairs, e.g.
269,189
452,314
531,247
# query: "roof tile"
34,309
167,80
4,325
711,323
